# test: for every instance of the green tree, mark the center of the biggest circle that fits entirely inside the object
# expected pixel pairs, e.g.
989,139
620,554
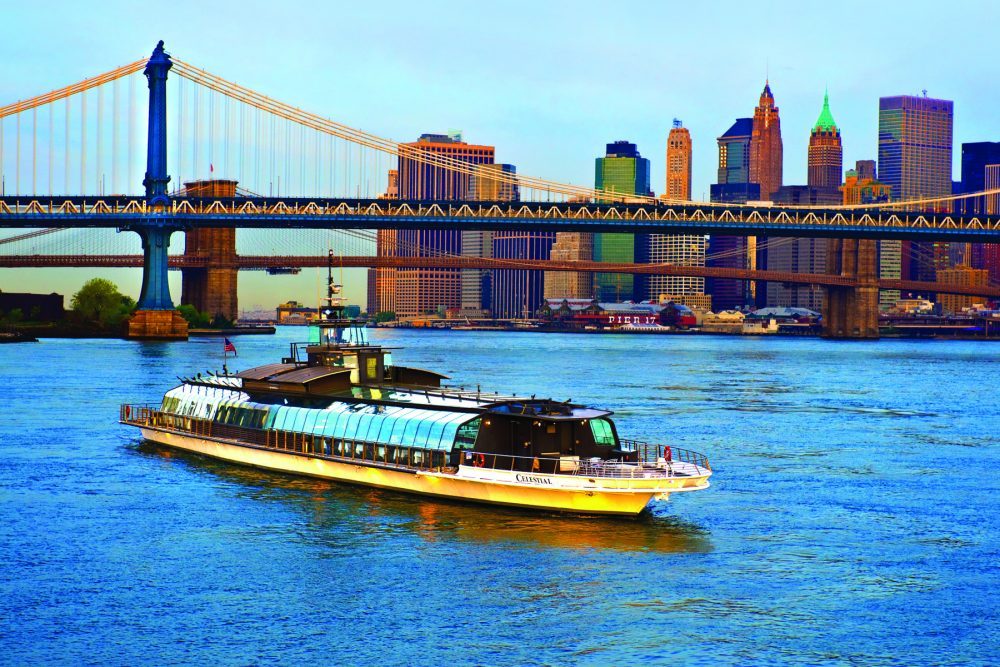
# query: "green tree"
100,302
195,319
15,316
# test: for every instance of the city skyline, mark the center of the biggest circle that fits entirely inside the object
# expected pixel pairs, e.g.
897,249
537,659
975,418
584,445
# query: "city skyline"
542,116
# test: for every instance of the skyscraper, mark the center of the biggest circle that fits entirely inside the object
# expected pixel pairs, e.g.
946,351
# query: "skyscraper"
826,154
621,170
981,171
734,187
765,145
807,255
421,291
570,247
382,281
512,292
494,182
914,158
678,249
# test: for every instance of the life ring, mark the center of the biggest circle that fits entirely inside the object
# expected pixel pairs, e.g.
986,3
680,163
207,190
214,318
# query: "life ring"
128,412
667,454
479,460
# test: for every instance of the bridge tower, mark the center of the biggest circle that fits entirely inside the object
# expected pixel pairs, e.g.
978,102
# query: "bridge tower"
852,312
211,288
155,316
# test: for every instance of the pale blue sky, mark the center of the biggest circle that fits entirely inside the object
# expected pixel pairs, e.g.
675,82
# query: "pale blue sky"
547,83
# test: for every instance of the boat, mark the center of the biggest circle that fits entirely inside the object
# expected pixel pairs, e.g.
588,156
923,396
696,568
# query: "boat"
340,408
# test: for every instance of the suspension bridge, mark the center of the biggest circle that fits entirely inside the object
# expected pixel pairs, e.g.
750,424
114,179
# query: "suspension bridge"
299,171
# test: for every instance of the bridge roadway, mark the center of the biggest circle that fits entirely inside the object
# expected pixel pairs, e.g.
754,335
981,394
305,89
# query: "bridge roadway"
264,262
124,212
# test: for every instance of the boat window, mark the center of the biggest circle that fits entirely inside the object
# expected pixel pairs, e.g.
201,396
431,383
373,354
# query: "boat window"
410,430
371,368
352,426
364,425
465,436
423,433
322,417
603,433
299,420
437,430
399,424
309,423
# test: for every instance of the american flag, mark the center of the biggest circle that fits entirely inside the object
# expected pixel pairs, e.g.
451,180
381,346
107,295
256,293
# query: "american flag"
229,347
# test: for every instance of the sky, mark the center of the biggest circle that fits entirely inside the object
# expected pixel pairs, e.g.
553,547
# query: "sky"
547,83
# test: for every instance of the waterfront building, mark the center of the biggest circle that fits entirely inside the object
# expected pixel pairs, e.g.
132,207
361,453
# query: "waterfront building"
733,187
570,247
865,170
799,255
981,171
965,276
860,187
622,170
382,281
765,145
493,182
734,252
505,293
422,291
914,159
678,249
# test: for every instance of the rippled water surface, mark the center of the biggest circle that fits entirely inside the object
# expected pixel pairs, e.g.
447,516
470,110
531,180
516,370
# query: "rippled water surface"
853,517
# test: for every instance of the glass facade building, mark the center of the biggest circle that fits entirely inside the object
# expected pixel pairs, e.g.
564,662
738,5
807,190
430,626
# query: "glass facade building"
621,170
422,291
914,159
734,187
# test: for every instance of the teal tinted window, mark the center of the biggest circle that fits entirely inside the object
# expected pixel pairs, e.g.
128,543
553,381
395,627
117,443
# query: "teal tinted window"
603,434
465,436
364,425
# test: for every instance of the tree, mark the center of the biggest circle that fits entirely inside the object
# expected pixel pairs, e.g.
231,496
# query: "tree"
100,302
195,319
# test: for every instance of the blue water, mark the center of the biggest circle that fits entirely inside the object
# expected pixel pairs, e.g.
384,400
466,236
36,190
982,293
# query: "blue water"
852,518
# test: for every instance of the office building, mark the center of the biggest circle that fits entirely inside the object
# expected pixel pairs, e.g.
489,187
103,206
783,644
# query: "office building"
965,276
622,170
570,247
865,170
422,291
492,183
914,159
799,255
382,281
826,153
765,146
981,171
733,252
734,187
678,249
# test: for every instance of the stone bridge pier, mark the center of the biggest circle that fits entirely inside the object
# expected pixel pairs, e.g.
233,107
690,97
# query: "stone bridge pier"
211,288
852,312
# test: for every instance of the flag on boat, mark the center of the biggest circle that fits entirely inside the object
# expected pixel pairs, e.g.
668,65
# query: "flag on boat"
229,347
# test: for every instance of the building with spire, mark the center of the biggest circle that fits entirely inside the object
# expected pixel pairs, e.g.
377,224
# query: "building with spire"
826,153
678,249
807,255
765,145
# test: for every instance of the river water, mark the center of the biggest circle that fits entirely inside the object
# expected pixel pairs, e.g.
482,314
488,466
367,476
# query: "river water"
852,517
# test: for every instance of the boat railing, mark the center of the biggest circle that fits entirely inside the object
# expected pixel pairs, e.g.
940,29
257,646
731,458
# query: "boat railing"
688,464
650,452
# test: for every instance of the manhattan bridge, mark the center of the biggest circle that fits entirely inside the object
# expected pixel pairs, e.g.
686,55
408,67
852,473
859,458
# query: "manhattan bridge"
288,178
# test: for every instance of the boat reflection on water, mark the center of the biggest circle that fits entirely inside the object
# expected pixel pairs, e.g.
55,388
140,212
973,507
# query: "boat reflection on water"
330,507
